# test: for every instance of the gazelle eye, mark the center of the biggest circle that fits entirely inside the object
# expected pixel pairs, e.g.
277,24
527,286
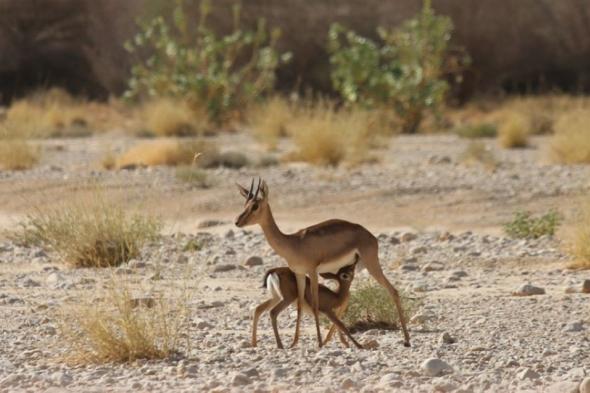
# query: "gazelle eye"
254,206
345,276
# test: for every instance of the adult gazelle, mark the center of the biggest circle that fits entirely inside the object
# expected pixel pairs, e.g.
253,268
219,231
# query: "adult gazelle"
321,248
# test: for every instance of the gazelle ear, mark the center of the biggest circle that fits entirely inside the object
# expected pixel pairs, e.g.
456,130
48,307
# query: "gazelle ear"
264,189
243,191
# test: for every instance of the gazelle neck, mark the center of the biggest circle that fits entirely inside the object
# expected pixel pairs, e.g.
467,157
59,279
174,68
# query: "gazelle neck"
277,239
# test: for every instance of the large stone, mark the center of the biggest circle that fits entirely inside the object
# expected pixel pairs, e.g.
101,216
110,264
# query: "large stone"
528,290
253,261
240,380
563,387
434,367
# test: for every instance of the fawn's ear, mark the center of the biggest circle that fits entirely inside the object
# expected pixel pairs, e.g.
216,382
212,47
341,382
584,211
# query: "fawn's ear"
244,191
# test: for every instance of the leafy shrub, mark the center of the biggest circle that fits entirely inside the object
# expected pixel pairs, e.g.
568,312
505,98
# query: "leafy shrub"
221,73
514,131
18,154
571,141
94,234
119,328
405,72
525,226
370,306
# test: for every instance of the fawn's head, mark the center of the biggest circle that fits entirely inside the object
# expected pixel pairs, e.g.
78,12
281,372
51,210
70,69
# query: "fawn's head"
344,275
256,203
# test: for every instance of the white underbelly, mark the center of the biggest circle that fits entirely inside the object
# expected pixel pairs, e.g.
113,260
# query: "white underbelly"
336,264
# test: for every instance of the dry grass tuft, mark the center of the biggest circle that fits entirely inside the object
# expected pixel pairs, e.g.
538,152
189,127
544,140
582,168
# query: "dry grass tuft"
580,247
162,152
89,234
193,176
571,142
48,114
270,121
119,328
477,130
326,136
370,306
479,153
18,154
167,117
514,131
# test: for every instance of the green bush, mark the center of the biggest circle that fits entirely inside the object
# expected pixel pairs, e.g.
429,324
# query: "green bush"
221,73
370,306
525,226
405,71
480,130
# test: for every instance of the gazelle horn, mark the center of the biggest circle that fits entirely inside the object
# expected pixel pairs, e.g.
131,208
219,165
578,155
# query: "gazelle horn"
257,188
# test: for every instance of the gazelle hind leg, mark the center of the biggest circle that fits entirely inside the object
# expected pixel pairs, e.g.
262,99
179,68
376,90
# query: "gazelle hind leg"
371,261
300,299
270,303
315,304
274,313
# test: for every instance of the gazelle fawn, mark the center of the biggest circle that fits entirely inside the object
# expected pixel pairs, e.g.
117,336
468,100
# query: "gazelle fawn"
322,248
282,285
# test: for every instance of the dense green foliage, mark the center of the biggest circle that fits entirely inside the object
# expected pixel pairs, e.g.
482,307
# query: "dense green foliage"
404,71
525,226
222,73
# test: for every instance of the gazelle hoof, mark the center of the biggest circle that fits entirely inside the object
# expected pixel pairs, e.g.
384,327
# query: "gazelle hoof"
407,344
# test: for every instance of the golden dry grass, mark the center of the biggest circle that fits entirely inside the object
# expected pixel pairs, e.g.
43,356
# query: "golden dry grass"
18,154
580,243
326,136
478,153
47,114
571,141
91,233
118,327
513,131
270,121
168,117
160,152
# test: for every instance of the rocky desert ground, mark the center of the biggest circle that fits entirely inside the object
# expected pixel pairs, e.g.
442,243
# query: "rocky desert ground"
496,314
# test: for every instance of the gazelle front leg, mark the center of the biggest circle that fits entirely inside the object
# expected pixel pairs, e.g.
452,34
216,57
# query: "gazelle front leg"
300,299
315,303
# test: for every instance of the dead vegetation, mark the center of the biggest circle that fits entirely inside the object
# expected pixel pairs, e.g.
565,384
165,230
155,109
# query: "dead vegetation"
514,131
18,154
48,114
167,152
270,121
571,142
477,153
370,307
324,135
92,233
580,244
169,117
119,327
